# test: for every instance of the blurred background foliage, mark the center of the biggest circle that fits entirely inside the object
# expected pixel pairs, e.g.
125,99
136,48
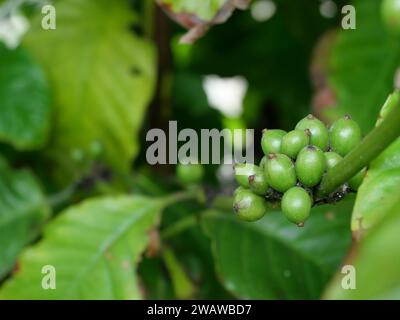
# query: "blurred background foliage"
77,102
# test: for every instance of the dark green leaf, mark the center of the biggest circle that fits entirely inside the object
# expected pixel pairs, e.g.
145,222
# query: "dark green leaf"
274,259
25,111
363,65
23,209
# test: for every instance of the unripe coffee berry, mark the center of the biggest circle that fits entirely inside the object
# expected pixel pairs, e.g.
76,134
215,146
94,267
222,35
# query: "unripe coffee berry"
310,166
332,159
319,132
189,173
258,183
345,135
239,190
279,172
294,141
263,162
296,205
271,140
249,206
243,171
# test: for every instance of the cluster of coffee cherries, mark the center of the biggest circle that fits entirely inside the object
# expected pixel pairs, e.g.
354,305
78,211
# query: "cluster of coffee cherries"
293,167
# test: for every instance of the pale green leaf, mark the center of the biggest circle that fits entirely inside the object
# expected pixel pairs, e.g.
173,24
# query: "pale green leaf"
380,189
102,75
376,262
381,186
94,247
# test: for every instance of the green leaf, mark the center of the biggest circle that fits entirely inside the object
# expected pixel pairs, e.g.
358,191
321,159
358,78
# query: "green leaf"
102,75
25,107
274,259
155,281
23,209
94,248
376,261
185,235
363,65
379,191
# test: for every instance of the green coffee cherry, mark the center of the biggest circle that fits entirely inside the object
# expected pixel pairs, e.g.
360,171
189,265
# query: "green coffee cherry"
319,132
189,173
279,172
258,183
263,162
294,141
310,166
356,181
271,140
296,205
249,206
243,171
239,190
391,15
345,135
332,159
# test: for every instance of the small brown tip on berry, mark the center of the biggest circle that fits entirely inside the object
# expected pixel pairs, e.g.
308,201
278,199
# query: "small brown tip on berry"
300,225
264,130
310,117
311,147
271,156
251,178
236,208
308,132
347,117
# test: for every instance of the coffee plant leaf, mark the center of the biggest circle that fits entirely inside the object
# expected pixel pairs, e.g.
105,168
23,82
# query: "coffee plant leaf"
94,248
273,258
102,76
379,191
23,210
359,77
25,110
373,270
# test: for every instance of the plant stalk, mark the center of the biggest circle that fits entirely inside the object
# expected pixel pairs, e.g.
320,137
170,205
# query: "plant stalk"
369,148
179,227
149,18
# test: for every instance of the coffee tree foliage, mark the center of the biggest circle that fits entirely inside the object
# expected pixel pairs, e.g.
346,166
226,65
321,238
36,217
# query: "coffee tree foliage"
76,191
